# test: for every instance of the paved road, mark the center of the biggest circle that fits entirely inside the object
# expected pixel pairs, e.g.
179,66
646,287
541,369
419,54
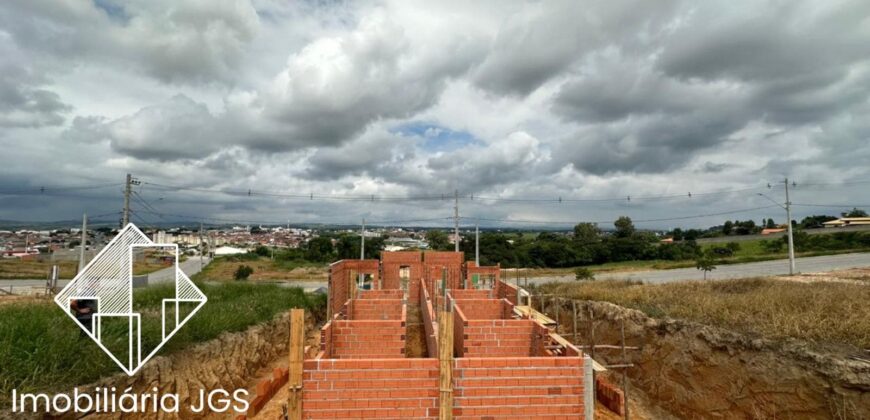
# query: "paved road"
764,268
167,275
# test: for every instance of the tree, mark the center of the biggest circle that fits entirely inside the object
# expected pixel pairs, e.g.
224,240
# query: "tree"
727,227
586,233
770,224
262,251
347,247
319,249
243,272
855,212
583,273
438,240
624,227
706,263
815,221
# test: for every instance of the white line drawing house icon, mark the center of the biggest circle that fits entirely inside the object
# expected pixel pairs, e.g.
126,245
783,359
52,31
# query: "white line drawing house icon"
106,285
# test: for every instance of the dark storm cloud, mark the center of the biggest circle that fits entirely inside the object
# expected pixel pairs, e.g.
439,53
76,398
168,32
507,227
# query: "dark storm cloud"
180,42
24,101
788,65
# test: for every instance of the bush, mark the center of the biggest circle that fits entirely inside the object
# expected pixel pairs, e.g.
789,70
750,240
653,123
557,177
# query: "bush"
583,273
243,272
771,246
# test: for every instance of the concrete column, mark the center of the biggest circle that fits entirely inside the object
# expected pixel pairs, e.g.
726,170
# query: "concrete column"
588,389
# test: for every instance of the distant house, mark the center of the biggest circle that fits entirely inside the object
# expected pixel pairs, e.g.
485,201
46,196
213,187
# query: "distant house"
847,221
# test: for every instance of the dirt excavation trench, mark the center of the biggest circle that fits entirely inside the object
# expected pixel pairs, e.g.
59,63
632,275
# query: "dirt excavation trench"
694,371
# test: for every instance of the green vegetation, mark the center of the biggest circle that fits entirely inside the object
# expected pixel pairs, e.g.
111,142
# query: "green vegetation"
224,268
16,268
243,272
583,273
706,263
41,348
627,248
828,313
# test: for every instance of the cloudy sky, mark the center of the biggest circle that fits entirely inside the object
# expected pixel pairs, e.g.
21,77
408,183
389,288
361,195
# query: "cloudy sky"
523,101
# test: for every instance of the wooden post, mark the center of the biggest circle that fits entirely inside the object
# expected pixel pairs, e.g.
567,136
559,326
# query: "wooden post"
624,371
574,316
558,302
297,349
445,357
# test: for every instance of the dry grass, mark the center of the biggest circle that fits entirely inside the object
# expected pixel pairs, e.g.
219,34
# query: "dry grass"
222,269
15,268
828,313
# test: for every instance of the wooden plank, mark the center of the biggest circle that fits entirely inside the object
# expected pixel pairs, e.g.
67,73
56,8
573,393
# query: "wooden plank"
445,370
297,353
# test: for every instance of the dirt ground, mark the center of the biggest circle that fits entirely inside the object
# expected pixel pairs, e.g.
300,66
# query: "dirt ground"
851,276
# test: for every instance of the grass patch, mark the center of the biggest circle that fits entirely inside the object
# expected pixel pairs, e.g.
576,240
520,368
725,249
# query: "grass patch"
823,313
41,348
265,269
16,268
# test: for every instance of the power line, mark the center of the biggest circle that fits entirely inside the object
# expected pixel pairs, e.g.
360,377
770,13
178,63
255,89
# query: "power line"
832,205
51,189
697,216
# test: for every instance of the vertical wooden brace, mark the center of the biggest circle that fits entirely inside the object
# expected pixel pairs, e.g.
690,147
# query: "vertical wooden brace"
445,357
297,349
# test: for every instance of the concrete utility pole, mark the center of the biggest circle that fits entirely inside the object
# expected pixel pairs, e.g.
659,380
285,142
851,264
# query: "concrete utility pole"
84,241
477,245
791,265
456,219
787,208
362,236
201,247
128,189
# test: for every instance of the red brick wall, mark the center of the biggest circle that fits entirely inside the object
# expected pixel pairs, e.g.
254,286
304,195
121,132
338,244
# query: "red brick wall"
518,387
507,291
484,271
430,320
370,389
434,263
342,277
484,308
367,339
471,294
498,338
609,395
390,264
376,309
381,294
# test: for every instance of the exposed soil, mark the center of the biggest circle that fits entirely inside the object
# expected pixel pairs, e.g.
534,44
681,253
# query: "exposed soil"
415,333
851,276
696,371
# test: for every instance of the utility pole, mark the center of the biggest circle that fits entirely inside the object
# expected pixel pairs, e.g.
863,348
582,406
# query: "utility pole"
201,247
128,189
791,265
456,219
84,241
362,236
477,245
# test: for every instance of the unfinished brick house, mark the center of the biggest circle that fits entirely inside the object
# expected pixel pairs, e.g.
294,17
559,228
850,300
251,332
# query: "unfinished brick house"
484,357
